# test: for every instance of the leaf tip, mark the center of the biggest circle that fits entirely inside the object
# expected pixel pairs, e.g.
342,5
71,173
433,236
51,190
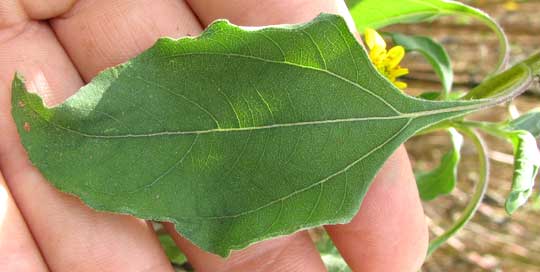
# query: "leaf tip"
18,89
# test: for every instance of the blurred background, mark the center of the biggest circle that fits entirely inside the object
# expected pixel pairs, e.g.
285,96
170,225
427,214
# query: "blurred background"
492,241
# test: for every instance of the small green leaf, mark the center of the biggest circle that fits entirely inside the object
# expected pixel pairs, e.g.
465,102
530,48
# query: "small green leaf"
429,95
529,122
433,51
521,75
235,136
380,13
442,180
173,252
476,197
330,255
455,95
526,164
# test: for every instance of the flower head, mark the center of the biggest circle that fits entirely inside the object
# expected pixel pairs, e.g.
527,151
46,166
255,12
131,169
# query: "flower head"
386,61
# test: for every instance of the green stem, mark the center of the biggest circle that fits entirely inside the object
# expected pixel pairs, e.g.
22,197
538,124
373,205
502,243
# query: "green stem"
514,80
504,45
437,127
488,127
478,195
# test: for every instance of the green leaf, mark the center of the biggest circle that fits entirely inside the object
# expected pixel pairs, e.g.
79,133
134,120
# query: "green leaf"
330,255
523,75
235,136
434,53
526,164
476,197
442,180
381,13
529,122
534,63
173,252
455,95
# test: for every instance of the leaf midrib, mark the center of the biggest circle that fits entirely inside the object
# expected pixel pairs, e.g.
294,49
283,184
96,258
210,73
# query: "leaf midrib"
399,115
281,125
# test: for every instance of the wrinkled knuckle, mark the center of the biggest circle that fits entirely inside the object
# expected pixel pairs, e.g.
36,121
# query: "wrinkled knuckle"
23,10
13,13
46,9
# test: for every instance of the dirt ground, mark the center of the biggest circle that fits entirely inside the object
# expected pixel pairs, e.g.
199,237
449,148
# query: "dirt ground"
493,241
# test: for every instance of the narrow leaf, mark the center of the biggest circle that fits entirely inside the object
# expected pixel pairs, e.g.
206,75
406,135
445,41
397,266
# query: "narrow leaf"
529,122
442,180
526,164
381,13
476,197
434,53
521,76
234,136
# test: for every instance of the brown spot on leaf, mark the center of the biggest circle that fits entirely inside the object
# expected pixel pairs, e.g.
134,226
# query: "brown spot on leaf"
21,104
26,127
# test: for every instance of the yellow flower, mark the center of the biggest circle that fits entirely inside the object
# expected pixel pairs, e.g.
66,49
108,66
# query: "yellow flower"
511,5
386,62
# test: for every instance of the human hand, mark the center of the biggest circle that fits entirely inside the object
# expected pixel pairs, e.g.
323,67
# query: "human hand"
58,46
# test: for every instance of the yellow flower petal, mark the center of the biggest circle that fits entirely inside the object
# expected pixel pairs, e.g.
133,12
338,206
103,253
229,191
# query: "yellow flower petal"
401,85
377,54
373,39
395,55
386,62
399,72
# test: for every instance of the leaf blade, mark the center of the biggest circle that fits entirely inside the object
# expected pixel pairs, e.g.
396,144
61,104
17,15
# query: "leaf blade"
529,121
442,180
183,133
434,53
526,165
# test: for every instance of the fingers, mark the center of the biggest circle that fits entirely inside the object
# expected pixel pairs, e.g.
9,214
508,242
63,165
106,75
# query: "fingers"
45,9
389,233
102,33
266,12
17,248
71,236
290,253
30,48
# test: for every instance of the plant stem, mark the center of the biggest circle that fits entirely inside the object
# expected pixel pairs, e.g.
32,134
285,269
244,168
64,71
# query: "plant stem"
488,127
478,195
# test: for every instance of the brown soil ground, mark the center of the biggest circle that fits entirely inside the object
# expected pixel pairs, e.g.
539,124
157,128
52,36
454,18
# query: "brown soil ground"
493,241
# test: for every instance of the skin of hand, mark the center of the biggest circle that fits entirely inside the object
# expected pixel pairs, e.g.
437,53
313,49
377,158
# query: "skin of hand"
59,45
